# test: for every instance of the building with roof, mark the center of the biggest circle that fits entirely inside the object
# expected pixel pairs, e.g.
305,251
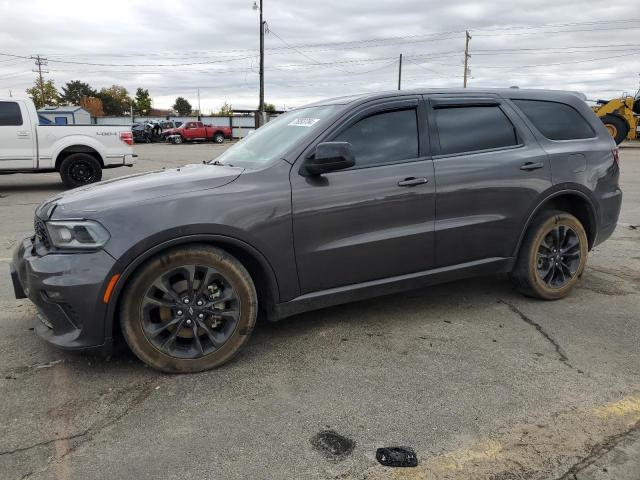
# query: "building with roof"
64,115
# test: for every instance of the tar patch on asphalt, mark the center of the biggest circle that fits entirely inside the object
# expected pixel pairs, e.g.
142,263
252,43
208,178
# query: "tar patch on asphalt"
332,445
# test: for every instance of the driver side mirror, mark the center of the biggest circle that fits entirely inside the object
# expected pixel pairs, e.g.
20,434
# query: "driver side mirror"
330,156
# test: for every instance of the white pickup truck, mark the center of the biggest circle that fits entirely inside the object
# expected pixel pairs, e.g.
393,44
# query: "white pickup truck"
78,152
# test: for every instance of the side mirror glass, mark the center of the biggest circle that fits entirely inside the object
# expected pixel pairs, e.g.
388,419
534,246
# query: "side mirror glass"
330,156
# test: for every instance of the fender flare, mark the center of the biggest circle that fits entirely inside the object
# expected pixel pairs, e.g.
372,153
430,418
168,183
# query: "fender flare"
558,191
76,140
132,264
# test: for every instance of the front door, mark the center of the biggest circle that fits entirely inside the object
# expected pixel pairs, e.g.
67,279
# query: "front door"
376,219
490,170
17,149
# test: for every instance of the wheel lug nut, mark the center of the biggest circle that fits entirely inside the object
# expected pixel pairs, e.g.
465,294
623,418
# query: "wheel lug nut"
179,312
188,322
185,300
199,303
200,315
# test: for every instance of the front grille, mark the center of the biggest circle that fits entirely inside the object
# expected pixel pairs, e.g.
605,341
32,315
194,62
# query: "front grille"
41,232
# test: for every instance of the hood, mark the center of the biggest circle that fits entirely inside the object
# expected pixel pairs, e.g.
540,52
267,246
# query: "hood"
138,188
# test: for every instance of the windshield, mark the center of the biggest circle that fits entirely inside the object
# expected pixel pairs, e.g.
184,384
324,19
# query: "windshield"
273,139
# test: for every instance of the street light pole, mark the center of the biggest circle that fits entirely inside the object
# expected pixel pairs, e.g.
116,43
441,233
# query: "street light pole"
261,103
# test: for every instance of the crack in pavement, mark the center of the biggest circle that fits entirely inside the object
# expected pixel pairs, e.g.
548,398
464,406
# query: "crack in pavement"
562,356
598,451
146,388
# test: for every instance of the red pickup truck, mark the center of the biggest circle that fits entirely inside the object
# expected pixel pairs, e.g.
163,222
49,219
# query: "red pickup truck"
197,131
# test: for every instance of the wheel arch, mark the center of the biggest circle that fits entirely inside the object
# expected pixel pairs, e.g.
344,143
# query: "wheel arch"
572,201
78,148
257,265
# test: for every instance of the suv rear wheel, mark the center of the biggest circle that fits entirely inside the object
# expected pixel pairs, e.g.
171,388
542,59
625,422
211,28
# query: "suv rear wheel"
189,309
552,257
218,137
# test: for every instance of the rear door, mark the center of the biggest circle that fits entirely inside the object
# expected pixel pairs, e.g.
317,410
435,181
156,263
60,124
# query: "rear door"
374,220
489,171
16,137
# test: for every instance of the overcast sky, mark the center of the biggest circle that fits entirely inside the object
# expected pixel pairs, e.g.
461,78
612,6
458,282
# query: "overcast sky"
339,46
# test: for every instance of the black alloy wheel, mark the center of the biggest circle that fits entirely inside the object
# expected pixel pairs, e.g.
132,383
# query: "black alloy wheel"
189,311
558,257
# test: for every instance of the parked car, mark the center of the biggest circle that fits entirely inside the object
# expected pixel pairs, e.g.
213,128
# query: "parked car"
78,152
326,204
190,131
147,132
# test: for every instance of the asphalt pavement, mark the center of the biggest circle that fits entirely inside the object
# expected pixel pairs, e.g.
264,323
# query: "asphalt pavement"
480,381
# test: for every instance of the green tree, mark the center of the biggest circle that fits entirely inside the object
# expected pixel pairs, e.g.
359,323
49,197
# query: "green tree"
51,95
115,100
226,109
269,107
74,91
142,102
182,106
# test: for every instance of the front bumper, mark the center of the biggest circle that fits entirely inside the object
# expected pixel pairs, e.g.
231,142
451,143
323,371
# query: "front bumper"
67,290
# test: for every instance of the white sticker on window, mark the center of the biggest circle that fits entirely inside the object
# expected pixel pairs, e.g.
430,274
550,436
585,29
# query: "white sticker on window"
304,122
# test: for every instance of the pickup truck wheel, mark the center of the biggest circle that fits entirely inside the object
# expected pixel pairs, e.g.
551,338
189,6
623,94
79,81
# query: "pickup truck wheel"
80,169
218,137
552,257
189,309
178,140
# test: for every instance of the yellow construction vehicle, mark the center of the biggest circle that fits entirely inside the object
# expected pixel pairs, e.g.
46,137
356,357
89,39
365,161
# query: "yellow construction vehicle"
621,116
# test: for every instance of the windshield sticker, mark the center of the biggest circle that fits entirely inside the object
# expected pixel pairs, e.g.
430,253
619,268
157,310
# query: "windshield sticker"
304,122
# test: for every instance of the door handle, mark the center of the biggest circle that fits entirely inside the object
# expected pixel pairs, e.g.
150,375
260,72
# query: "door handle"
23,134
532,166
412,181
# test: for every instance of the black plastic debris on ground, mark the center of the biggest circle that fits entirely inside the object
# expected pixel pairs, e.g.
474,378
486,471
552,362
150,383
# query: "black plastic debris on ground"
397,457
333,445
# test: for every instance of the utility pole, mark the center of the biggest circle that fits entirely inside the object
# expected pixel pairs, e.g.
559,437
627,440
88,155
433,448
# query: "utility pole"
261,101
199,112
466,56
40,62
400,72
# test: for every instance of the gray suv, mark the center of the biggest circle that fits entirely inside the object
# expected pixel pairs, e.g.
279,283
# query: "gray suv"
340,200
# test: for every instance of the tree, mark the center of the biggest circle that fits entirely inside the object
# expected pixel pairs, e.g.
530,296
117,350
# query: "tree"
142,102
115,100
51,94
182,106
93,105
226,109
74,91
269,107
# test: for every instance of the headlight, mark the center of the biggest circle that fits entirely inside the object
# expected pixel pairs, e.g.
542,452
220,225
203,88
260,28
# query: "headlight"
77,234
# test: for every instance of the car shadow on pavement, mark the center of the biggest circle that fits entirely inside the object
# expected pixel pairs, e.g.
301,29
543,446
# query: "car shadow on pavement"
53,186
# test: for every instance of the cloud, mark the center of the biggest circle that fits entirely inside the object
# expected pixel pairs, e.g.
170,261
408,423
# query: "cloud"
577,51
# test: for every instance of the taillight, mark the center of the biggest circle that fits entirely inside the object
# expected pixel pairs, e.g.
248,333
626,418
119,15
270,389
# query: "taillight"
616,156
127,137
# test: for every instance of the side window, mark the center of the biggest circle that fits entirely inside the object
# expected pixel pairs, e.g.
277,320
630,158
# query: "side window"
468,129
10,114
556,121
384,137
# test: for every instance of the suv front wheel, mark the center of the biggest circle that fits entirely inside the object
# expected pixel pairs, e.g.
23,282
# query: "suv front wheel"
189,309
552,257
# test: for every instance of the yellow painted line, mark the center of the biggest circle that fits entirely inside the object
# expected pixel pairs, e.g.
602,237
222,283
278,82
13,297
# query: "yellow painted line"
486,451
627,406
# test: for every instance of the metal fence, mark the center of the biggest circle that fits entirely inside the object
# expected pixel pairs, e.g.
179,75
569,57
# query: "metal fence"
240,125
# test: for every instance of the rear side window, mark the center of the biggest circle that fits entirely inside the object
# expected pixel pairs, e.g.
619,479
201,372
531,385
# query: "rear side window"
10,114
556,121
468,129
385,137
